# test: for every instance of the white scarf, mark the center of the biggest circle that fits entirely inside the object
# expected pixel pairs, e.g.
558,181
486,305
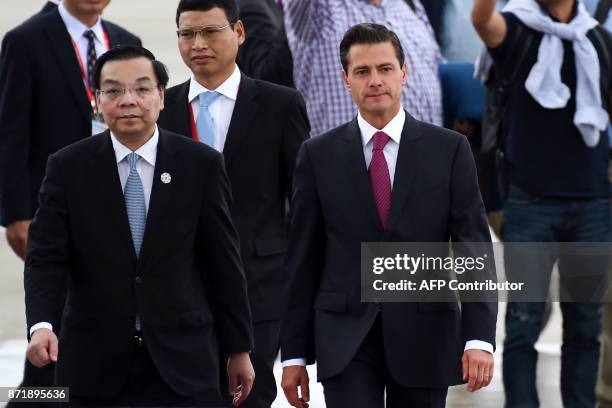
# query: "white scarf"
544,80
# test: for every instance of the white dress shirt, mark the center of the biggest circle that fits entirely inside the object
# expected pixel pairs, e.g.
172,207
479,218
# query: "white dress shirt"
394,130
221,109
145,168
77,30
55,1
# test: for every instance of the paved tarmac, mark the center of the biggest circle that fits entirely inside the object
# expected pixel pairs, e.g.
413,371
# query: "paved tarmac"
153,21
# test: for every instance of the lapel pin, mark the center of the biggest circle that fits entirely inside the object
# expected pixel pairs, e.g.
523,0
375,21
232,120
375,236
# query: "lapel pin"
166,178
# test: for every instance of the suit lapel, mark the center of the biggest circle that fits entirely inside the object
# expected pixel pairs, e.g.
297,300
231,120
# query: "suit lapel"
103,168
358,173
60,40
406,168
244,112
176,111
113,35
161,194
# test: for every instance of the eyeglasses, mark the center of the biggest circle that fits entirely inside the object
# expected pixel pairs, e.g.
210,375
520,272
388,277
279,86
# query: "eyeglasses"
209,33
141,92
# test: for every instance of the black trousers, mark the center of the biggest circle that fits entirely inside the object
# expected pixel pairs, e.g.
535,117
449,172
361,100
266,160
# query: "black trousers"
35,377
146,388
267,338
362,384
39,377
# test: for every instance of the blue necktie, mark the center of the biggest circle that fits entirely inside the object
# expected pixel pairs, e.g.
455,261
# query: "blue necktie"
135,203
205,123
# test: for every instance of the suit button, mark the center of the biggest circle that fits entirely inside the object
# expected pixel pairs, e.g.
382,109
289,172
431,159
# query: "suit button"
138,280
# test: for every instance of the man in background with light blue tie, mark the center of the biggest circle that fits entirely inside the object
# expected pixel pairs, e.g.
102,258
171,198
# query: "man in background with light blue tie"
259,127
136,219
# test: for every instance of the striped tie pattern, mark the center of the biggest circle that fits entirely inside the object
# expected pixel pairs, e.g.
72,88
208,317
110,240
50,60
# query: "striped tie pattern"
91,56
135,203
205,123
379,178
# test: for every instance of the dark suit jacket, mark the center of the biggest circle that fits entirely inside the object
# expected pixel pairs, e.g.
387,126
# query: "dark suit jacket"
49,6
43,106
268,125
188,273
265,54
435,198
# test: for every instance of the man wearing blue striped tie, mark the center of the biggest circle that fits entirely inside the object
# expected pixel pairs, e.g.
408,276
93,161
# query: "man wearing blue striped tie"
136,219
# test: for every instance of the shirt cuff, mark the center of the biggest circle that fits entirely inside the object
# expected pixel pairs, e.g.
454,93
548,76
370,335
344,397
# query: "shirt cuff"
41,325
294,362
478,345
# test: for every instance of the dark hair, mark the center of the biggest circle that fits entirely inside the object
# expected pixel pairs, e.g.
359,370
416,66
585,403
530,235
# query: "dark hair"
368,33
230,7
127,52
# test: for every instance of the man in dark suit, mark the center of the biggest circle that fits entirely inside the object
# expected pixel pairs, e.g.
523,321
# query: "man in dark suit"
45,104
383,177
259,127
265,54
137,220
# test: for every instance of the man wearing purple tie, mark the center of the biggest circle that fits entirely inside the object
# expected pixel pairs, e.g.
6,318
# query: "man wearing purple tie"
383,177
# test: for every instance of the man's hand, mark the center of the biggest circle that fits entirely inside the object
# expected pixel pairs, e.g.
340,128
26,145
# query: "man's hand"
17,237
477,368
295,377
241,376
42,348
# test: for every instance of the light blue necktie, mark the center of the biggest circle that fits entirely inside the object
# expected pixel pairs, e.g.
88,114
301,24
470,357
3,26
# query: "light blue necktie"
135,203
205,123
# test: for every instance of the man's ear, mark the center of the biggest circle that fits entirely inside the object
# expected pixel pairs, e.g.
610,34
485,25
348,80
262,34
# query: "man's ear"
240,32
97,98
404,74
345,80
162,96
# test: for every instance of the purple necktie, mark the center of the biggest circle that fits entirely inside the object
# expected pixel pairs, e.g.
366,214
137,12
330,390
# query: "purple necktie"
379,178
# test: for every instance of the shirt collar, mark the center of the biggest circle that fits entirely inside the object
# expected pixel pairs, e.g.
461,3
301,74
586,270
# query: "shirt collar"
147,151
76,29
393,129
55,1
229,87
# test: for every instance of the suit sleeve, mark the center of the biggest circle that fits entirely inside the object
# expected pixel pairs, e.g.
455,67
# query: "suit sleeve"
120,36
130,39
471,237
16,92
47,263
126,37
222,266
304,263
295,131
265,54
